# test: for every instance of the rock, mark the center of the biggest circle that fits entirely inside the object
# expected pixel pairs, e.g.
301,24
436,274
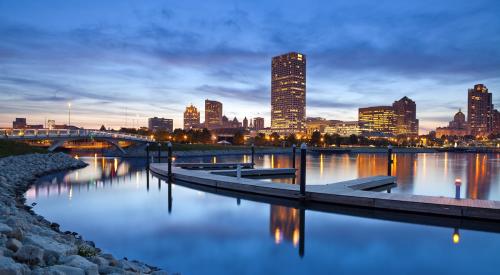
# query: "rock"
110,270
51,257
17,233
80,262
100,261
48,243
29,254
59,270
4,229
134,266
14,244
9,267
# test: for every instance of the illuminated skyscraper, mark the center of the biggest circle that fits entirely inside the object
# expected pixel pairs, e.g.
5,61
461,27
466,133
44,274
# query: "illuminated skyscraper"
160,124
213,114
191,118
288,93
378,120
480,108
405,117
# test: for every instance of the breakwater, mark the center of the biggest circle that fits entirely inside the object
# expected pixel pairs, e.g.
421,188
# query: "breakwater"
30,244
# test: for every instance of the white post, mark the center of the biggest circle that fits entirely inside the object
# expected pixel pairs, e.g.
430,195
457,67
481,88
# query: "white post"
458,183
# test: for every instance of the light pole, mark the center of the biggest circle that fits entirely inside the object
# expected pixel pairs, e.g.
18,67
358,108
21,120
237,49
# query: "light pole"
69,114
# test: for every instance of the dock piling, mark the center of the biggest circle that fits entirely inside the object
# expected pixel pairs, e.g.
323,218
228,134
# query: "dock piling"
458,184
294,151
169,159
303,151
159,152
238,171
253,155
147,155
389,160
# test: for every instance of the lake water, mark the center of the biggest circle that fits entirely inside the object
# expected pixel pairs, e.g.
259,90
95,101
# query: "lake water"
127,212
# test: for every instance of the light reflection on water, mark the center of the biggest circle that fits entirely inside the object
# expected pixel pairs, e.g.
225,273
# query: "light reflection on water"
116,203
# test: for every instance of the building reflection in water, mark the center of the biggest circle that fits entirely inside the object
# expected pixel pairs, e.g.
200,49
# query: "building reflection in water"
287,224
479,176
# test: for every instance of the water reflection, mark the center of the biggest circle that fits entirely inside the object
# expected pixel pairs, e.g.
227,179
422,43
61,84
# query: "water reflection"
206,225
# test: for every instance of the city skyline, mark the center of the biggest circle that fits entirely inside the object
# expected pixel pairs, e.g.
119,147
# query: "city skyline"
121,72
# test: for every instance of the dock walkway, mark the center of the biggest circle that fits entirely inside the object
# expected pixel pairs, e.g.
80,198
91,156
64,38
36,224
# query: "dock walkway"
352,193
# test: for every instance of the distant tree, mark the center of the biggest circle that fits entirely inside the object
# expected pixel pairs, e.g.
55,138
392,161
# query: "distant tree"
291,139
353,139
316,138
260,139
238,138
102,128
275,139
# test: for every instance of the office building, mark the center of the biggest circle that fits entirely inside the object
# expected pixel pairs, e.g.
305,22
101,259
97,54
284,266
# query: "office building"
191,118
479,110
405,117
288,93
213,114
378,120
258,123
19,123
343,128
160,124
245,123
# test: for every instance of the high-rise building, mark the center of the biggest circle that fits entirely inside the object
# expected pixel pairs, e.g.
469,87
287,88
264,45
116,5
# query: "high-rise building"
160,124
288,93
405,117
191,118
479,111
378,120
19,123
496,121
213,114
343,128
245,123
258,123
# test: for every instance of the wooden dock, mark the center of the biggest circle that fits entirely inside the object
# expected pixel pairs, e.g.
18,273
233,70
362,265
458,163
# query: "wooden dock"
213,166
350,193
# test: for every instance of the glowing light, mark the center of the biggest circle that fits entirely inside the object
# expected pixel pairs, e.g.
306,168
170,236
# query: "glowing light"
456,238
295,237
277,236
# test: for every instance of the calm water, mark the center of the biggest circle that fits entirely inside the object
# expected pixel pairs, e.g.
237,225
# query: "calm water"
116,203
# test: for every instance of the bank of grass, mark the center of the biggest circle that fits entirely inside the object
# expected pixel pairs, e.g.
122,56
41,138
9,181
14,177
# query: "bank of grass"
207,147
12,148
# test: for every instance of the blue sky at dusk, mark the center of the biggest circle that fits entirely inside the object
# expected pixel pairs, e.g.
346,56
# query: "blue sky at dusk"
152,58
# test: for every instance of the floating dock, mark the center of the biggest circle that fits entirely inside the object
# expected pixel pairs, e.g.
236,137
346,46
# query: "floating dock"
358,192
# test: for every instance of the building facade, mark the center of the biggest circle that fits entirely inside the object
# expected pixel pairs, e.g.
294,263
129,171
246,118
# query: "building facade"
496,122
479,110
19,123
456,127
245,123
378,120
405,117
288,93
191,118
161,124
344,128
258,123
213,114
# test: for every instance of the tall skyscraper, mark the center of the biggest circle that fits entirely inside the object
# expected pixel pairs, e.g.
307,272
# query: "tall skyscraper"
191,118
161,124
479,111
258,123
288,93
377,120
496,121
405,117
213,114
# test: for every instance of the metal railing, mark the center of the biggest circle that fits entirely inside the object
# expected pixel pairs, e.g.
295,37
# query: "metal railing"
33,134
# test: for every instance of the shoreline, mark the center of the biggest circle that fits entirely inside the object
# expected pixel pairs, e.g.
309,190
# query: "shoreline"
30,244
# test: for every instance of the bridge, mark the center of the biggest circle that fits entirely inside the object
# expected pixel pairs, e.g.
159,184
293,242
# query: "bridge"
60,136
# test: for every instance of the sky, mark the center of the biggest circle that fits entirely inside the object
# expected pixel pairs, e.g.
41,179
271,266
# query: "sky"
120,62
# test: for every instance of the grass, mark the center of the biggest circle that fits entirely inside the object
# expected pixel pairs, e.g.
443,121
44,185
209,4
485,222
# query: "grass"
12,148
204,147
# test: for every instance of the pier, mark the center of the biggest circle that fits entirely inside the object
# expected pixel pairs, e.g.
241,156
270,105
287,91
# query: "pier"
358,192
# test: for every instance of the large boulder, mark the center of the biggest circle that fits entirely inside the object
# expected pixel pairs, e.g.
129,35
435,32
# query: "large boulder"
9,267
59,270
13,244
80,262
29,254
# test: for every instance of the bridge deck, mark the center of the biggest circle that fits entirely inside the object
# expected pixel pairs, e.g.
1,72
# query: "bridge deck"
352,193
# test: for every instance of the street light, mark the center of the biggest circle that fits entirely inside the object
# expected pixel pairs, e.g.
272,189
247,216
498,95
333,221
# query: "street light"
69,114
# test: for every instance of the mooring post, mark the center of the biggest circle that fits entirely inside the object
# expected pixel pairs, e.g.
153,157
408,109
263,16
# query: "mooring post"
302,231
147,155
169,146
294,151
159,152
238,171
253,155
389,160
303,151
458,184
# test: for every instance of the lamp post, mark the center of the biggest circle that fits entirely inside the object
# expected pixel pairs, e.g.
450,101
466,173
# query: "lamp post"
69,114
